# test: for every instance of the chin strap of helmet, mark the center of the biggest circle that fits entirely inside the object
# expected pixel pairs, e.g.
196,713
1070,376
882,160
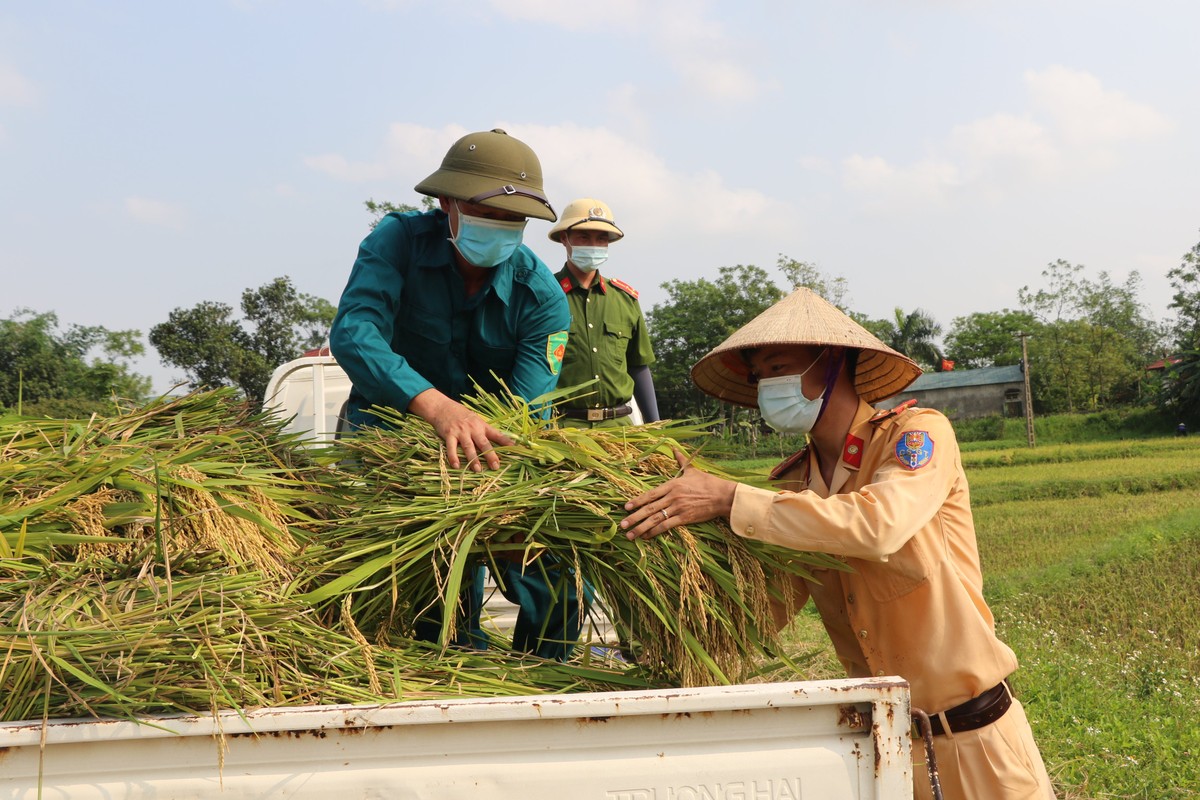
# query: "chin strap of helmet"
509,189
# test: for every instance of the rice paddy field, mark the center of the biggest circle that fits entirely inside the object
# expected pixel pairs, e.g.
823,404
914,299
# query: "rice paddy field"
1091,560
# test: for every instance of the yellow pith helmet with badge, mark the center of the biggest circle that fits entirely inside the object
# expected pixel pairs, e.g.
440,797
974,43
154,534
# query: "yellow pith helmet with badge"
802,318
492,169
586,214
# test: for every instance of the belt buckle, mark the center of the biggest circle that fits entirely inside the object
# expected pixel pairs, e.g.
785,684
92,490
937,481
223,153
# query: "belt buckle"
595,415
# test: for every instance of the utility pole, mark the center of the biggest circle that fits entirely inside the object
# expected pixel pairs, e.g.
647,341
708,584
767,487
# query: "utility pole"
1028,394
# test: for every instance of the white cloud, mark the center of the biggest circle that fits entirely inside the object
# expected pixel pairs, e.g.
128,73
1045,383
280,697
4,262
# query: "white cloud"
683,32
1003,136
1088,118
1005,147
815,164
1073,126
719,78
591,162
639,184
573,16
155,212
339,167
887,185
407,150
868,173
709,61
15,88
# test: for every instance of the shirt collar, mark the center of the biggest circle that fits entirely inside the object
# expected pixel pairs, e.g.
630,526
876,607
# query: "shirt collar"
857,436
566,274
502,279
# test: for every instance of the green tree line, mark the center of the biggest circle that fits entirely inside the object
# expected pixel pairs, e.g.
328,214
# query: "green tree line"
1089,339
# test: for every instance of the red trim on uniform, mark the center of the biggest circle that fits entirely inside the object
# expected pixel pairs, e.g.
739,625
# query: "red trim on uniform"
891,412
624,287
792,461
853,451
565,283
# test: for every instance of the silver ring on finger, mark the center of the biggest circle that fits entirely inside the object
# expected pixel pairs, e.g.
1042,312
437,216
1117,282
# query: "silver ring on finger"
666,515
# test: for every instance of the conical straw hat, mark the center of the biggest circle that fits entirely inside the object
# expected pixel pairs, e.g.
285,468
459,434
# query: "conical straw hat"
805,318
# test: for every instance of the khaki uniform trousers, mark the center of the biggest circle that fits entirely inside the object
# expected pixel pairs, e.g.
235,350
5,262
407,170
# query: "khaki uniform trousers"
996,762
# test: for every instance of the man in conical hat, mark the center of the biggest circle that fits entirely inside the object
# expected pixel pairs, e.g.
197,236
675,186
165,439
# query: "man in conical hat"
884,491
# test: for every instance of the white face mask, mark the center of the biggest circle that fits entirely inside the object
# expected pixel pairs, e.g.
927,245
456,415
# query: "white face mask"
784,407
783,404
588,259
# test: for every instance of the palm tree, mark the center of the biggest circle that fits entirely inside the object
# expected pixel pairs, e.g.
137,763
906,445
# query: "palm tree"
913,335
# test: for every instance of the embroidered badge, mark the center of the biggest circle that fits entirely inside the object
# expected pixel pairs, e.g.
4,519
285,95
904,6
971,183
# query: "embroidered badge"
852,452
556,346
914,450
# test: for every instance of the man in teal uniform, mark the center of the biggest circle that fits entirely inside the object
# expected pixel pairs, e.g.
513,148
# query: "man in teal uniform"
437,302
609,350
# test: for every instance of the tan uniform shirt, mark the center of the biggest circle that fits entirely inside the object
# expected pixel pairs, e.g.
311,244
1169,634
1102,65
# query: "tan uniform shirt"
898,513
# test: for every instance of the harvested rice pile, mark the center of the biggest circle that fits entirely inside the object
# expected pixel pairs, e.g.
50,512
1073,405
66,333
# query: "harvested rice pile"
695,600
187,556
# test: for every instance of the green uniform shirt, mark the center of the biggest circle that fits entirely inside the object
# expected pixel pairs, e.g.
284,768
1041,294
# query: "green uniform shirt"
404,323
608,336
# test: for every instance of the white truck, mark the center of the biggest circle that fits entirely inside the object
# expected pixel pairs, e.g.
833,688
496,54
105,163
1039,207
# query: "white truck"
310,392
820,740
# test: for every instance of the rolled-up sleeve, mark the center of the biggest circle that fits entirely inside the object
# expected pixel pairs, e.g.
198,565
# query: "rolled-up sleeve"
363,329
874,521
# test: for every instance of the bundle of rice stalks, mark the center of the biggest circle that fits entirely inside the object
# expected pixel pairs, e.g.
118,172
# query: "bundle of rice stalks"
147,565
75,645
696,600
178,477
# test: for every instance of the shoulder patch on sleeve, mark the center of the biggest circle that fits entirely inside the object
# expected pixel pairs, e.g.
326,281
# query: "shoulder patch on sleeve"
624,287
914,449
556,346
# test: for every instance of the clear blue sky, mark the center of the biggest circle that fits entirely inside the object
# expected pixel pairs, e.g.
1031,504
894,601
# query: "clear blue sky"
936,154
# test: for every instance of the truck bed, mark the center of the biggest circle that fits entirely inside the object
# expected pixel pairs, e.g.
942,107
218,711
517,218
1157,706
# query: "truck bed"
814,739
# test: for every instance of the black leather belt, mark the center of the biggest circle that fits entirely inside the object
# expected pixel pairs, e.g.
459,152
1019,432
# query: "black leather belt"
597,414
976,712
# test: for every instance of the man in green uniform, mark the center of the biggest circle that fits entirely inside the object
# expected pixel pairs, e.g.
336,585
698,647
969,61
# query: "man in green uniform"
609,349
442,300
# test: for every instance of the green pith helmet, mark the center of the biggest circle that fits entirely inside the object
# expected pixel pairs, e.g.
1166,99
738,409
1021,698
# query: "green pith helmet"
493,169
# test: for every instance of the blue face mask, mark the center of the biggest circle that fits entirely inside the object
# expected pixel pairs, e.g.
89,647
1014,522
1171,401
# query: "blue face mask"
588,259
487,242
